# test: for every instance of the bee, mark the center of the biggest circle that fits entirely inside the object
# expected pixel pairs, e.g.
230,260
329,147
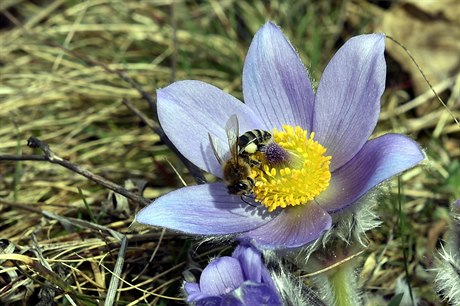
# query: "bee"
237,169
252,142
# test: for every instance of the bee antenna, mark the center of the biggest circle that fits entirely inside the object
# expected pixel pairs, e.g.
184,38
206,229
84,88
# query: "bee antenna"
250,204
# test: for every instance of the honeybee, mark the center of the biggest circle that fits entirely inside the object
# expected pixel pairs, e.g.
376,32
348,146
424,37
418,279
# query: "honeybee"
251,142
237,169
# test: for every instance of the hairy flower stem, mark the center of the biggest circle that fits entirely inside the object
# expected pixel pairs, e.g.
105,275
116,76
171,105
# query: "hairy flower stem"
343,285
333,268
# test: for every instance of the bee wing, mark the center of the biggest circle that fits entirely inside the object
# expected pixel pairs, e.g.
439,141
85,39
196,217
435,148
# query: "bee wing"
216,149
232,130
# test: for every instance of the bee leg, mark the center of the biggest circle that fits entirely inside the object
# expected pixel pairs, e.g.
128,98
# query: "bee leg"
250,160
254,162
250,204
250,179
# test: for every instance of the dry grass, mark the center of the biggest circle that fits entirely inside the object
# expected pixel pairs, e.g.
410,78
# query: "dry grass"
67,240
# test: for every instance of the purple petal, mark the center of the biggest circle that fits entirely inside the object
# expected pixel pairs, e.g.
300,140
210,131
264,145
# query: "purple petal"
275,82
348,97
231,300
210,301
379,159
202,210
293,227
251,262
221,276
267,278
251,259
189,110
193,292
258,294
191,288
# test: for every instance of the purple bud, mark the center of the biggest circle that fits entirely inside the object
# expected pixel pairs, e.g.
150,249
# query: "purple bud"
240,279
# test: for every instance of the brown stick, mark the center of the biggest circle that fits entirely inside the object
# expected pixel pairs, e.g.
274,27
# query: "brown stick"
194,170
51,157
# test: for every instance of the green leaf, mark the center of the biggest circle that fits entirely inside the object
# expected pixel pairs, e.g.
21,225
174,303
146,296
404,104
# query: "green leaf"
396,300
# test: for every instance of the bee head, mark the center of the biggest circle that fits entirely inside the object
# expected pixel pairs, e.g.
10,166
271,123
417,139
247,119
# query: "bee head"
242,187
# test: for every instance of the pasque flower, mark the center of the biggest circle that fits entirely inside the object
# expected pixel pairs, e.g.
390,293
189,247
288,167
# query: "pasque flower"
239,280
322,160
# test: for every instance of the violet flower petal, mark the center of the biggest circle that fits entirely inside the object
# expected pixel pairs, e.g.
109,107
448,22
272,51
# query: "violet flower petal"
210,301
221,276
191,288
193,292
253,266
258,294
378,160
347,101
293,227
189,110
251,262
267,278
202,210
227,278
275,82
229,300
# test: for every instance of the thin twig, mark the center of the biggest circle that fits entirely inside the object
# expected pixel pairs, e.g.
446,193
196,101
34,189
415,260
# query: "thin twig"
51,157
426,80
149,122
194,170
23,157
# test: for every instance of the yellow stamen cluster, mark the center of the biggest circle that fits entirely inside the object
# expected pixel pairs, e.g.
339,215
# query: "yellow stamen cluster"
298,181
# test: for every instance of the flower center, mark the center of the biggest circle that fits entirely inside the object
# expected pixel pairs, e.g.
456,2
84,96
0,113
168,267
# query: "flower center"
293,171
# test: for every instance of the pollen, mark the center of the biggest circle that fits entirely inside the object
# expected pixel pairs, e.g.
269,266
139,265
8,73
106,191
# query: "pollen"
301,174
